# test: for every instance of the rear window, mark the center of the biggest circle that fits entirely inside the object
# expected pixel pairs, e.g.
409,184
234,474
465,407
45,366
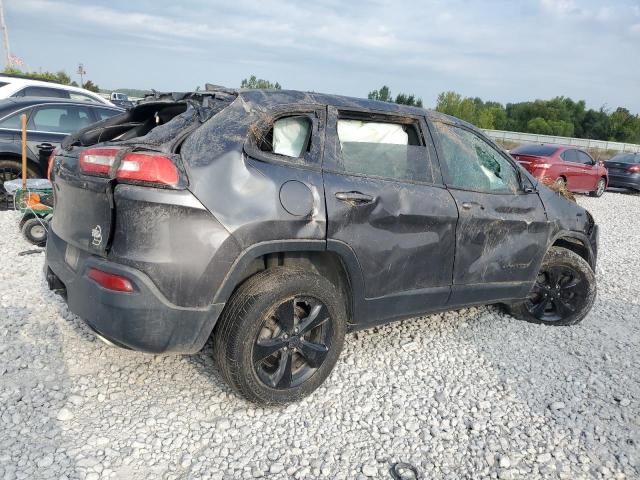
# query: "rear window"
626,158
537,150
14,122
387,150
42,92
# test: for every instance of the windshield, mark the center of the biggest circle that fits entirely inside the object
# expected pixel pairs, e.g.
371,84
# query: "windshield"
626,158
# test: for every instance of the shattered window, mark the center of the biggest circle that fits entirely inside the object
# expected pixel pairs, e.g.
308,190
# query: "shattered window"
291,136
386,150
473,164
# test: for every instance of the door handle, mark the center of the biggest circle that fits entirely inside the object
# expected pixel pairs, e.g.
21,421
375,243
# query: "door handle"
470,205
354,198
44,145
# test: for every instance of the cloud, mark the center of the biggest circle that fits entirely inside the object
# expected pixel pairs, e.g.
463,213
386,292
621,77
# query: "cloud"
496,48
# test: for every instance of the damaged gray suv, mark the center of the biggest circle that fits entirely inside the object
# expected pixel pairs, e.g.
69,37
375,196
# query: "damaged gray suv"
275,222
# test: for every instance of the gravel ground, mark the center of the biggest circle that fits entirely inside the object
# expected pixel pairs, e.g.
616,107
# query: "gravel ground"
466,394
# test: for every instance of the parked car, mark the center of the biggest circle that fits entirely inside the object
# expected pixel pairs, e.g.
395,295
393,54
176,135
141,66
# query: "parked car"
564,165
121,100
18,87
49,121
624,170
278,221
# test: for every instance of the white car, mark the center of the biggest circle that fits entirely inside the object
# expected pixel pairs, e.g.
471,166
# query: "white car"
25,87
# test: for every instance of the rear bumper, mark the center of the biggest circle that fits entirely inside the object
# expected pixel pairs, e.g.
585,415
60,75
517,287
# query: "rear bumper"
625,181
143,320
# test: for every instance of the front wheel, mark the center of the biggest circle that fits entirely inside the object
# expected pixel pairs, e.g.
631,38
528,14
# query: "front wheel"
564,292
600,188
280,335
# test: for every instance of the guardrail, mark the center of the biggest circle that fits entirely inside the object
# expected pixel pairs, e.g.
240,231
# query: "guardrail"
556,140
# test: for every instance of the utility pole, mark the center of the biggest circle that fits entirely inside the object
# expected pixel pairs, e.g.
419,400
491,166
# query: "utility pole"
81,71
5,36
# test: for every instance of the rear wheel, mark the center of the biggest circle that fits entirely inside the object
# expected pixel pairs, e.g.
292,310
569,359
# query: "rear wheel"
564,292
600,188
561,182
280,335
35,231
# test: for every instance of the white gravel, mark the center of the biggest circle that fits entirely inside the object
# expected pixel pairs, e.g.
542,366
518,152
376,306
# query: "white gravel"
467,394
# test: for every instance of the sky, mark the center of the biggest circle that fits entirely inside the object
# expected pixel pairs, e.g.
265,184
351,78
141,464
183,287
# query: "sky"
503,50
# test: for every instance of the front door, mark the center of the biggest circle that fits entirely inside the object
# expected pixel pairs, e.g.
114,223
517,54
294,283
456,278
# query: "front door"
589,171
386,205
502,232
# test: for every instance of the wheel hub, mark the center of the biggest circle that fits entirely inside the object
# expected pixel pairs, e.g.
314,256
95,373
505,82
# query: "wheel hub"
293,342
556,294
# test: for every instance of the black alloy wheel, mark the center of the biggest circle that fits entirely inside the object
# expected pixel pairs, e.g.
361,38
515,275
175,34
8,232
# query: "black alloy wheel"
280,335
558,293
563,293
293,342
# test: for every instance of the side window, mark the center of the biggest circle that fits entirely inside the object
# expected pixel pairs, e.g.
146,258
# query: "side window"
381,149
584,158
470,163
289,136
104,113
570,156
42,92
13,121
60,119
81,96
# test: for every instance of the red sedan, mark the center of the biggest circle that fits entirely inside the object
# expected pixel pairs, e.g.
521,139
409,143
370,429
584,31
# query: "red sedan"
569,165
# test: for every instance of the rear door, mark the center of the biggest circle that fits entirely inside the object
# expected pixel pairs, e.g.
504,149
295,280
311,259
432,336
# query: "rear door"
502,231
49,124
387,206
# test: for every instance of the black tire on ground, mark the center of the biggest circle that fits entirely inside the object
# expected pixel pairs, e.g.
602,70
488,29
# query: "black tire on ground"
35,231
564,292
601,186
297,315
24,218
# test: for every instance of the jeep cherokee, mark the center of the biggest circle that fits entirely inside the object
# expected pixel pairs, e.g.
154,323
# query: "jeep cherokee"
278,221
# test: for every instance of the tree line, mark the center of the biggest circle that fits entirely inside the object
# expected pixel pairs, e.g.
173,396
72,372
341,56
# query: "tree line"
59,77
558,116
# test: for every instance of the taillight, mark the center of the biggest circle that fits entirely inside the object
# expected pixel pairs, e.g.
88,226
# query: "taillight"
634,169
97,160
50,162
146,167
110,281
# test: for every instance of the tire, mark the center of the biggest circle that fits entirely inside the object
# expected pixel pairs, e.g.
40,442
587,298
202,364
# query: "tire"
35,231
24,218
255,321
561,182
566,305
601,186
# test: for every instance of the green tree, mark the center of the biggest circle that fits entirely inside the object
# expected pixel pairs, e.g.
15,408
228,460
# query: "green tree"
92,87
539,125
408,99
384,94
60,76
254,82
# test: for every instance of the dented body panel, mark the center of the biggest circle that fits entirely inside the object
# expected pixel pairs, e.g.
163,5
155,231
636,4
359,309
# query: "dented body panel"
399,249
